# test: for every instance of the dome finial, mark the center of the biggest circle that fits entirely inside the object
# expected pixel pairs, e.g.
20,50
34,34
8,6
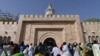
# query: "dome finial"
49,4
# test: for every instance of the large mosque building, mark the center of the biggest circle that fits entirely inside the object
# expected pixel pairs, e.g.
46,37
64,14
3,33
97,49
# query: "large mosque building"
49,28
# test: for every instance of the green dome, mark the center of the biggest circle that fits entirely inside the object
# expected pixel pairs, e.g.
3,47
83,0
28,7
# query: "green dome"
92,20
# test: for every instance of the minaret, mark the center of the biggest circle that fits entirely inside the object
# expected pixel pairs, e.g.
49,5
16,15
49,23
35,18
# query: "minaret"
49,11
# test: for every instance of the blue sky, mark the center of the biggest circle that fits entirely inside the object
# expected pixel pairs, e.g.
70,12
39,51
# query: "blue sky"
84,8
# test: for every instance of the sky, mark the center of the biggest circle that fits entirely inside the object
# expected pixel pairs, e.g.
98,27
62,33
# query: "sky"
84,8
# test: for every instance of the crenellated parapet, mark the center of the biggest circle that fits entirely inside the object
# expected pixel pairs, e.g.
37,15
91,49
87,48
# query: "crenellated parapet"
60,17
8,22
87,23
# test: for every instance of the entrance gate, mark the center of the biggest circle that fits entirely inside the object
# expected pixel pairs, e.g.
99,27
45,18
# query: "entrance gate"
49,42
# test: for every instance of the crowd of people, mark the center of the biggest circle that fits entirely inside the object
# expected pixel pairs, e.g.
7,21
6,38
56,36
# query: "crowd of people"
71,49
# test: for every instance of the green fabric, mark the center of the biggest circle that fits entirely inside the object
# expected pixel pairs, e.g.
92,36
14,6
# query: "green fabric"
18,54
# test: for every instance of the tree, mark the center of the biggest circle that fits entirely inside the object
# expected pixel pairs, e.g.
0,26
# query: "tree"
92,20
6,16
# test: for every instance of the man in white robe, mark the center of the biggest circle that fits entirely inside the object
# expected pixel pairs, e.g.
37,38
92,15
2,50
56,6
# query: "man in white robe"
96,49
31,50
25,52
77,51
65,50
55,51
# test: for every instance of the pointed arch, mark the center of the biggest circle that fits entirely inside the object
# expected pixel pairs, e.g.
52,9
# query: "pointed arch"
47,35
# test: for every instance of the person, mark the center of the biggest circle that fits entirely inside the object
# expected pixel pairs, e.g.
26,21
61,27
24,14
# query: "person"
70,46
58,55
8,50
65,50
22,47
5,46
11,48
25,52
31,50
77,50
74,47
61,47
2,50
3,53
55,50
89,49
1,47
41,48
37,52
95,48
84,50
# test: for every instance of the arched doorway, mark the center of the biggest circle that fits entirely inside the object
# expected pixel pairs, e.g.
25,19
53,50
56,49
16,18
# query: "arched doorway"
49,42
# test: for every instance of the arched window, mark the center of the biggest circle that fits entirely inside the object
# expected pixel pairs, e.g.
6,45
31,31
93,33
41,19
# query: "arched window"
92,39
5,39
89,39
97,38
0,39
15,32
9,39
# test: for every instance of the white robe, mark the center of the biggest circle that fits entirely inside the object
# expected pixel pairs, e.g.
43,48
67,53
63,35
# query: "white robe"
77,51
96,49
25,52
55,51
65,51
31,50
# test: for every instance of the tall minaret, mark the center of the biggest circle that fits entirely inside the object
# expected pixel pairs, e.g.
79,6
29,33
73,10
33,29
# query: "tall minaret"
49,11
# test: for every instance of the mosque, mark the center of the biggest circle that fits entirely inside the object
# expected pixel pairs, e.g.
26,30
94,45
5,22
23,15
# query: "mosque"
49,29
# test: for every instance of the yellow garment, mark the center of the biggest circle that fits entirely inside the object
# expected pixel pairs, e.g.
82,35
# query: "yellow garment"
39,54
84,50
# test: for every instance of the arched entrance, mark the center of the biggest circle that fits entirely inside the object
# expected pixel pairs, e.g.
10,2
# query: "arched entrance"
49,42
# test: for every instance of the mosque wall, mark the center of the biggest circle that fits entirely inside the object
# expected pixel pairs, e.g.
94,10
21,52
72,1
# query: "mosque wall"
8,30
91,31
70,24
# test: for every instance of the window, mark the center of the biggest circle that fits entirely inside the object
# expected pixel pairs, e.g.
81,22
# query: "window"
14,32
89,39
93,32
0,39
5,39
93,38
97,38
84,32
6,32
9,39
